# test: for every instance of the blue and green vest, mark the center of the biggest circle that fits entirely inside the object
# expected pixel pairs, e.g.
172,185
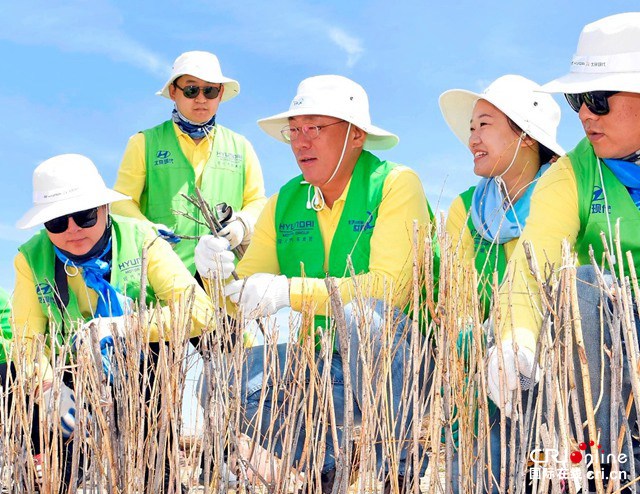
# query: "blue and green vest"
5,323
170,175
489,257
593,208
128,236
299,243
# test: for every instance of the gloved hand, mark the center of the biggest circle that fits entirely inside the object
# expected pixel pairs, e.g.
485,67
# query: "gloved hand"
166,233
66,408
108,328
213,255
263,294
235,230
526,373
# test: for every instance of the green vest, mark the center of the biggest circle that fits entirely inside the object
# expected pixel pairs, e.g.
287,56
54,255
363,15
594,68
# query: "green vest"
170,174
128,237
594,211
5,323
299,243
489,257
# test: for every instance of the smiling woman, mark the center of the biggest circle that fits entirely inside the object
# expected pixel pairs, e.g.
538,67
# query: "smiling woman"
510,129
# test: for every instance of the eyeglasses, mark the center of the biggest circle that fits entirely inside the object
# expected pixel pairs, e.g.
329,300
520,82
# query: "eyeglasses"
191,92
84,219
597,101
309,131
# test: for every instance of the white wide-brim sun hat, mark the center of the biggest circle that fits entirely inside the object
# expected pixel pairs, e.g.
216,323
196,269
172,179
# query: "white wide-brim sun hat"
607,58
66,184
519,98
205,66
332,96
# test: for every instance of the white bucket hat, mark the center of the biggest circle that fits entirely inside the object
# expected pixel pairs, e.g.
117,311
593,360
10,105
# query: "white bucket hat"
205,66
332,96
518,98
607,58
66,184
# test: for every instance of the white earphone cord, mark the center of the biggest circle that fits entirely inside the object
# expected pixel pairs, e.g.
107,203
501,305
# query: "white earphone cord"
318,203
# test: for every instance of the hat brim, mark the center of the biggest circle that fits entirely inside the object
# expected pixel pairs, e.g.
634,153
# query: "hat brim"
42,213
457,106
231,87
377,138
577,82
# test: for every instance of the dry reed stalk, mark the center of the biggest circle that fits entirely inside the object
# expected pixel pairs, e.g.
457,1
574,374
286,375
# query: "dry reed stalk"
131,426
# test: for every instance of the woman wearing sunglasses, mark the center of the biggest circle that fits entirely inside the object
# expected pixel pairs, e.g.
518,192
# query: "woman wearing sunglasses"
510,129
192,150
85,265
584,197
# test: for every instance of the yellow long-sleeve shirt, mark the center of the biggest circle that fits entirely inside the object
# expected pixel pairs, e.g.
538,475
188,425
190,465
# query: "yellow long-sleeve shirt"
133,172
458,230
166,274
391,258
553,217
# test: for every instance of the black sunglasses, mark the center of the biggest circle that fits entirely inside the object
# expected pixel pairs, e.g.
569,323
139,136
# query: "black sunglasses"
597,101
84,219
191,92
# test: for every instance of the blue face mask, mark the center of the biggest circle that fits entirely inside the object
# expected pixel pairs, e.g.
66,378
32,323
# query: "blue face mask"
193,129
496,219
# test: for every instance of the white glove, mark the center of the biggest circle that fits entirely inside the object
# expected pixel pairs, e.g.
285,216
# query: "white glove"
235,230
526,373
66,408
108,328
263,294
212,256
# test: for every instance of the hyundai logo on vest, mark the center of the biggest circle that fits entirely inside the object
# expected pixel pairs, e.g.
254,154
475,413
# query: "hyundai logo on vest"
45,293
597,201
163,157
301,227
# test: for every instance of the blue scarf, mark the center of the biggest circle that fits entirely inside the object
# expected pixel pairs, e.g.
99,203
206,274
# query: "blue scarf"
628,173
193,129
93,272
494,217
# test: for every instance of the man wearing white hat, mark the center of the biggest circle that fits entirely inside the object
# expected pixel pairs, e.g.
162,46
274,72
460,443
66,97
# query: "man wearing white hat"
346,202
583,194
85,266
192,150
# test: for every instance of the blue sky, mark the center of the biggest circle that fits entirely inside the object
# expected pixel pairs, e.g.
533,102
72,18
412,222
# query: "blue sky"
81,76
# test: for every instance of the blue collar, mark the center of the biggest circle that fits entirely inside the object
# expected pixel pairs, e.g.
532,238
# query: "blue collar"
193,129
496,219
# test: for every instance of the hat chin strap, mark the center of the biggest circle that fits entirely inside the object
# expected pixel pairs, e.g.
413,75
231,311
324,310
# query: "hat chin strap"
502,186
318,202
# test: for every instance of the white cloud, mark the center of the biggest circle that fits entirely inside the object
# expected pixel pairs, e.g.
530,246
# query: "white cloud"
297,31
77,26
352,46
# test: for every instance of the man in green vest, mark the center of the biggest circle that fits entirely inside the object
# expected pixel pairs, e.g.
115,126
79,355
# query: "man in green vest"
85,266
346,204
192,150
585,193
